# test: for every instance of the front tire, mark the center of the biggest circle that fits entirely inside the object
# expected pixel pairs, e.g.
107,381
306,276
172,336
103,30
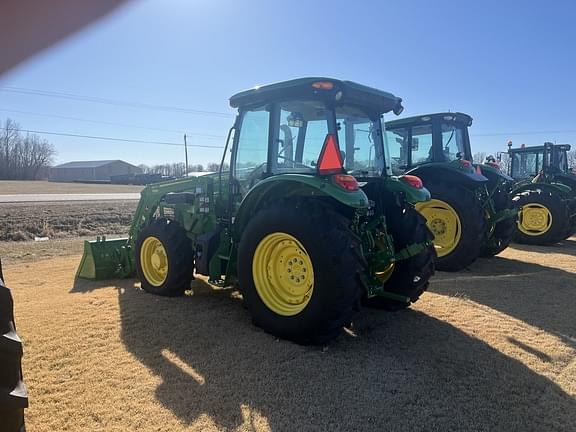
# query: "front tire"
456,218
298,268
164,258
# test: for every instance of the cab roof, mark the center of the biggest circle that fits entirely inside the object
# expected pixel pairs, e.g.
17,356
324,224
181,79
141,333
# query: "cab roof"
533,149
327,89
427,118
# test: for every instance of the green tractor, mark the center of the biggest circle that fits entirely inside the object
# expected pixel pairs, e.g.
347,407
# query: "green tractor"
545,191
308,222
471,212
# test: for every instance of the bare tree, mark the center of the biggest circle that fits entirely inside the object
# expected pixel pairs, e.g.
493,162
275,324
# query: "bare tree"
145,168
22,157
196,168
505,162
178,169
479,157
212,167
572,158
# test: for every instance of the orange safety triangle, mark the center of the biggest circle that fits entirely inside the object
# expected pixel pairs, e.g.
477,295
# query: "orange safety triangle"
330,158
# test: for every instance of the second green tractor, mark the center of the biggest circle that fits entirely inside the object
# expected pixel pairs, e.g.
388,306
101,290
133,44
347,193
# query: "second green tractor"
471,213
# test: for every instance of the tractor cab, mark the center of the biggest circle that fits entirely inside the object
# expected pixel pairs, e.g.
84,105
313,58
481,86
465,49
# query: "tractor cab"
309,126
529,162
318,136
433,138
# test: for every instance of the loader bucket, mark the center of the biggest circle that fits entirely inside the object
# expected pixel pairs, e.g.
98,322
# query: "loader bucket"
105,259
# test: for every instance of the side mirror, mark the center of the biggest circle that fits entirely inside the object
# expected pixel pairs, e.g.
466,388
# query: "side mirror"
398,108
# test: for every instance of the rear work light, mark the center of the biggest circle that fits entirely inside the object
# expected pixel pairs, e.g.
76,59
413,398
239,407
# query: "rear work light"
346,182
413,181
330,160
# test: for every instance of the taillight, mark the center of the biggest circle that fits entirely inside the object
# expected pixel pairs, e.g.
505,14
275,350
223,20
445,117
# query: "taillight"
323,85
413,181
346,181
330,161
465,163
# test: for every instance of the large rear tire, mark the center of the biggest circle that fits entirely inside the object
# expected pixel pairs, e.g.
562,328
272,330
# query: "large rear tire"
164,258
410,277
298,268
544,218
456,218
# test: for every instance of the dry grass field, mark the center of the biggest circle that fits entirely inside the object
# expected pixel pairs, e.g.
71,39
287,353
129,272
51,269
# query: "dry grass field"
24,221
16,187
489,349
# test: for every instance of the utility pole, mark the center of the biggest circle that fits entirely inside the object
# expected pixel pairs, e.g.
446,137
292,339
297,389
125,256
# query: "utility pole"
186,153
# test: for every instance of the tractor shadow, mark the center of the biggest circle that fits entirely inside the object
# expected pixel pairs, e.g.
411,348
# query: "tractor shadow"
86,286
541,296
405,371
566,247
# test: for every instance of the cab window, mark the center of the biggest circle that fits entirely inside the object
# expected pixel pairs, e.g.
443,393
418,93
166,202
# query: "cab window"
397,142
422,150
452,142
252,151
526,165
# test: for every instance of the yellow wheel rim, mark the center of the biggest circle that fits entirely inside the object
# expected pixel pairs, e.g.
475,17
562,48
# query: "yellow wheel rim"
534,219
444,223
283,274
154,261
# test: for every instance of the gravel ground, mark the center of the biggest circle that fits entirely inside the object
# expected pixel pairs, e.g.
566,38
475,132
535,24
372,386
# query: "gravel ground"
489,349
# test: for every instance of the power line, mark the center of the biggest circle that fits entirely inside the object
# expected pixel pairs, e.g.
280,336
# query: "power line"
115,102
112,123
112,138
95,99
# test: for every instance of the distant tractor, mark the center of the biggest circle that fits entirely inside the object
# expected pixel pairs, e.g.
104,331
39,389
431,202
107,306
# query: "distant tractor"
545,191
309,223
471,212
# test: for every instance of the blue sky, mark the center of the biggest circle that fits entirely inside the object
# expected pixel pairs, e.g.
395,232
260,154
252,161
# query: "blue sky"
510,65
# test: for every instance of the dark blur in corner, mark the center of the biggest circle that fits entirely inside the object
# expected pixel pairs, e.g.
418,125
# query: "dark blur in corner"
29,26
26,28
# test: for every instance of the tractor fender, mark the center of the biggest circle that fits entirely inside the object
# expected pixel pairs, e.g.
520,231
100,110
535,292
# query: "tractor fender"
553,188
496,178
413,195
283,186
566,179
494,174
447,173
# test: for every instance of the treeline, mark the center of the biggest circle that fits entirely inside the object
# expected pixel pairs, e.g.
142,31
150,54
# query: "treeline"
23,156
178,169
